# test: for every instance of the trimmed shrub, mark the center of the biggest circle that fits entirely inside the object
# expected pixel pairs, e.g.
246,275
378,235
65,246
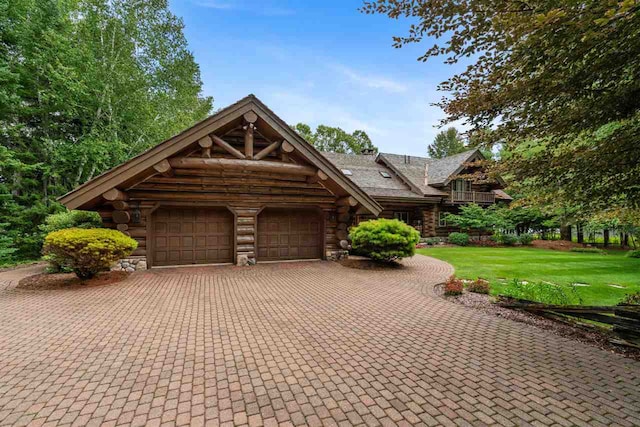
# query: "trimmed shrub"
384,239
88,251
589,250
71,219
459,239
453,286
525,239
505,239
634,254
479,286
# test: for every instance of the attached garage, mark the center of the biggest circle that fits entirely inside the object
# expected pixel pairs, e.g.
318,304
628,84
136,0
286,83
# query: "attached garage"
238,187
183,236
286,234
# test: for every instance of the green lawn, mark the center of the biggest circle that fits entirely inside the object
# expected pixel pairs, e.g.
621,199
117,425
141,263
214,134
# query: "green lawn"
496,264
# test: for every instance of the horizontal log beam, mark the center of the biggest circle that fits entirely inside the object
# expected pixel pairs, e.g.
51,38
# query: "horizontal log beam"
318,177
163,168
233,174
287,147
247,199
347,201
120,205
121,217
250,117
114,194
246,165
228,147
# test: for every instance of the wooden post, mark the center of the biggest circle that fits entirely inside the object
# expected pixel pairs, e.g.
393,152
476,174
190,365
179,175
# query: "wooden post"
114,194
206,144
248,141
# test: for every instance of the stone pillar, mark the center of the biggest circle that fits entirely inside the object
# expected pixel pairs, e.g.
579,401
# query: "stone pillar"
429,221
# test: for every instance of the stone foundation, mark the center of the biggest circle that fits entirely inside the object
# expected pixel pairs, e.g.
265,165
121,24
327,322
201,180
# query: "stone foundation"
131,264
337,255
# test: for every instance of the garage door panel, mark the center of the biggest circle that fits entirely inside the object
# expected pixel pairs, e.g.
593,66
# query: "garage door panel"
285,234
192,236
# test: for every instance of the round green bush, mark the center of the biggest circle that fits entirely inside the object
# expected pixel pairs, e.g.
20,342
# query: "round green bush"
88,251
384,239
634,253
459,239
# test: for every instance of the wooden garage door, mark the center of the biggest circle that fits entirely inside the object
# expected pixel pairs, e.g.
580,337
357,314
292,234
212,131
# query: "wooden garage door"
285,234
192,236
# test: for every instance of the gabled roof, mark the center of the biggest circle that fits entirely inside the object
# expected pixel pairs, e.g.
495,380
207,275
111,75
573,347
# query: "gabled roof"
141,166
366,173
438,171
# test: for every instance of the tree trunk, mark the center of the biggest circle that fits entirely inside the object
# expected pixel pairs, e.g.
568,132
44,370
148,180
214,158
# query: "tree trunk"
565,232
606,238
580,233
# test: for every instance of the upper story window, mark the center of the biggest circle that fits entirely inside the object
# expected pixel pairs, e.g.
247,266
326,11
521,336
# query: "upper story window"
402,216
385,174
347,172
461,185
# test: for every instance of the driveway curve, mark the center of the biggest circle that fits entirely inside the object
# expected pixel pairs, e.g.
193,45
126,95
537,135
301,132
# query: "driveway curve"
310,343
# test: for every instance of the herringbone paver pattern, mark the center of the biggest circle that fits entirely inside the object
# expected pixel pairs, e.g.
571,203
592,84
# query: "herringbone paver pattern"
293,344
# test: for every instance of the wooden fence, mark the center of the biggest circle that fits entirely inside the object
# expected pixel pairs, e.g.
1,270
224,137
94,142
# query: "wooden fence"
623,320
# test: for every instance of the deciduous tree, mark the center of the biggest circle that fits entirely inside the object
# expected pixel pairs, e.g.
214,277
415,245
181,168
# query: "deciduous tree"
446,143
555,82
336,140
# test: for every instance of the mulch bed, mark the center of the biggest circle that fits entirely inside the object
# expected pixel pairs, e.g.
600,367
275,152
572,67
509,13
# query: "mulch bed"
361,263
558,245
595,338
46,281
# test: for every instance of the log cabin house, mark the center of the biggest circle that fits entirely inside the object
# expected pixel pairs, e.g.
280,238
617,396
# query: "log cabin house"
242,187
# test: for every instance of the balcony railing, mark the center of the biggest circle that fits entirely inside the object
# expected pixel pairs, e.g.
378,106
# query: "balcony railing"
472,197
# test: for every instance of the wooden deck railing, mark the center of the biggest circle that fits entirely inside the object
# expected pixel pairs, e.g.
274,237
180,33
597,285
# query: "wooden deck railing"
473,197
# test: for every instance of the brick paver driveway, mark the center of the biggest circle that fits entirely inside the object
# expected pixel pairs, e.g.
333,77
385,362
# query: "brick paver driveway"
301,343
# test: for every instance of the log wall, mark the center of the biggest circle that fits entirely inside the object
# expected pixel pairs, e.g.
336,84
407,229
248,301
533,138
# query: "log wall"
244,193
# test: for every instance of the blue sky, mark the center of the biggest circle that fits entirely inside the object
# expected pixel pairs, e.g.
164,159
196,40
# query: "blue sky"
318,62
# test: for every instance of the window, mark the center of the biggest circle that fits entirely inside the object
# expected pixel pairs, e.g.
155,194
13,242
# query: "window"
347,172
461,185
442,219
402,216
385,174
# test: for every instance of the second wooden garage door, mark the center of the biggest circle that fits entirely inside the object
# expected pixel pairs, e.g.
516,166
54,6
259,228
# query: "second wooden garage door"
192,236
286,234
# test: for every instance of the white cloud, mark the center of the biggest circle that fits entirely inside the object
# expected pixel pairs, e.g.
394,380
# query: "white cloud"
369,80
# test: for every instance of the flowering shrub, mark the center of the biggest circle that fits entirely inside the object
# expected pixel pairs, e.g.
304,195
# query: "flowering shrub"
479,286
384,239
453,286
88,251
